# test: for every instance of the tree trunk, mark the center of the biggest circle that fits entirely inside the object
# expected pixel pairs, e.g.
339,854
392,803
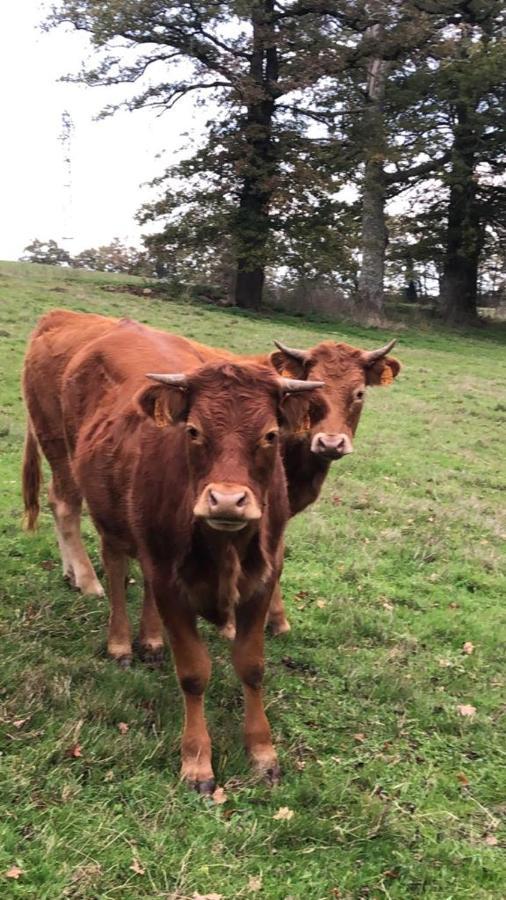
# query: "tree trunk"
374,232
252,225
459,287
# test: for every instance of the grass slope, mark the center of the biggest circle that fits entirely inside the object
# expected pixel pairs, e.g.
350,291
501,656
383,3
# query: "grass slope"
394,792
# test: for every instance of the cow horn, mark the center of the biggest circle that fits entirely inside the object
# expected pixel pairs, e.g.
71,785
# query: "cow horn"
370,356
294,385
301,355
178,379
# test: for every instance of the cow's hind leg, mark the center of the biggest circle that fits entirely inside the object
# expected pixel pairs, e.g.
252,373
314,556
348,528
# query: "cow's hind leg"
119,640
151,633
276,617
65,502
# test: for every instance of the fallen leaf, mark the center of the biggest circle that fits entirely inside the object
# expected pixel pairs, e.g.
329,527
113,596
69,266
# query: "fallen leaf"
336,500
197,896
219,796
444,663
19,722
491,840
388,606
47,564
74,751
468,647
359,737
466,710
255,883
136,867
122,727
464,780
453,605
321,604
14,872
284,813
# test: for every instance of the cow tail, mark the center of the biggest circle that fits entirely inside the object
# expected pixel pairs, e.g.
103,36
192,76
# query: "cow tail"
32,478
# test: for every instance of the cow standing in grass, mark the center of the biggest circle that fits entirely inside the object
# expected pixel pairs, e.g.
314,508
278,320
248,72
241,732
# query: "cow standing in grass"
185,473
308,450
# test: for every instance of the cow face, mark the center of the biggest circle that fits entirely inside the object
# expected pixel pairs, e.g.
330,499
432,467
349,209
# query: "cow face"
231,416
347,372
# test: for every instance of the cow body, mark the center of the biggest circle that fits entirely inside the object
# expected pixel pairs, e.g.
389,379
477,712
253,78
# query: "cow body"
188,478
307,453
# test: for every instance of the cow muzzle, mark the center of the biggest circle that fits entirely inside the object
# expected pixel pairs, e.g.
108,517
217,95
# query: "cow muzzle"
227,507
331,446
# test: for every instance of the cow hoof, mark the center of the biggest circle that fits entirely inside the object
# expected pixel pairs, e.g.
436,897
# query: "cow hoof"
267,769
91,588
204,788
272,775
151,656
282,627
228,631
124,662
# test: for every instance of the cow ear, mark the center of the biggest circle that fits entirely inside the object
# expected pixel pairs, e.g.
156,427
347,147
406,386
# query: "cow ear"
164,404
298,413
382,372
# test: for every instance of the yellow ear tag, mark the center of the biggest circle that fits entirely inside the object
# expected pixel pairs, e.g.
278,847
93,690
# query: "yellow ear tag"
160,414
386,376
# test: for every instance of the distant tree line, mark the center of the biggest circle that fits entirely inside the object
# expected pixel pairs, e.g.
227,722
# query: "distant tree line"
113,257
403,101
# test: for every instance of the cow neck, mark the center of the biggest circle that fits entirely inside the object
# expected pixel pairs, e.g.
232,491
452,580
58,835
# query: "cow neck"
305,472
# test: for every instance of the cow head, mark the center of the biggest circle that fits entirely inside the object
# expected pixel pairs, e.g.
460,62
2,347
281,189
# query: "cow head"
231,415
347,372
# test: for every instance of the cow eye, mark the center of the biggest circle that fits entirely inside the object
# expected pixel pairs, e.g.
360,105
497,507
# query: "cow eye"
192,432
270,437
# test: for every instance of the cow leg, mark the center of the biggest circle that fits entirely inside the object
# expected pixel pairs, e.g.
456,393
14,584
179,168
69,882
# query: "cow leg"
151,635
276,617
119,641
65,502
193,667
248,660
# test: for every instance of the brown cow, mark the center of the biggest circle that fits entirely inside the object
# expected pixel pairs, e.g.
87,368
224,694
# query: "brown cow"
186,474
308,453
346,371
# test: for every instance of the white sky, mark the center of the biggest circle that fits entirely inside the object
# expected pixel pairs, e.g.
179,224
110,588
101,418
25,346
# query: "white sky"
110,159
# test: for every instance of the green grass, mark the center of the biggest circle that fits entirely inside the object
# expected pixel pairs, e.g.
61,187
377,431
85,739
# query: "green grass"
398,565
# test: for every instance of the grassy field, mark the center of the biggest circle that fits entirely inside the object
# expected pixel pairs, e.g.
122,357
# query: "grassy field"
387,700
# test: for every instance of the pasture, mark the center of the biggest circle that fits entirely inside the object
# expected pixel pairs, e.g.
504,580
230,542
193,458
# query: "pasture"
387,699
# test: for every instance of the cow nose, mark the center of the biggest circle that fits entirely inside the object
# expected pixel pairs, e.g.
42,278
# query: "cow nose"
227,507
331,446
227,503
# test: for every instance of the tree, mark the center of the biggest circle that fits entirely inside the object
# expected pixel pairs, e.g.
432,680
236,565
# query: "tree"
472,86
46,253
231,51
113,257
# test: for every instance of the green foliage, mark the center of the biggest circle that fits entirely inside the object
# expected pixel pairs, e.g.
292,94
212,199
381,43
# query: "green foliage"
46,253
400,563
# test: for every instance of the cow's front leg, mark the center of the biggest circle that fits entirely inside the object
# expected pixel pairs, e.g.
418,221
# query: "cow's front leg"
248,659
193,668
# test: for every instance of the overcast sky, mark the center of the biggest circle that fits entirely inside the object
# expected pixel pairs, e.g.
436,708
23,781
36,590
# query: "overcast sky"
110,159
